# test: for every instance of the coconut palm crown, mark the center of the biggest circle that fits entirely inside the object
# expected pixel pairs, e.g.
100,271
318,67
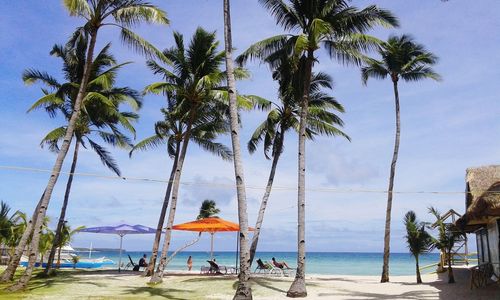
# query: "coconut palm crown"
401,58
208,209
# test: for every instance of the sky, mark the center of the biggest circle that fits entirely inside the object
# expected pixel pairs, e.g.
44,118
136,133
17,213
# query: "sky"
447,127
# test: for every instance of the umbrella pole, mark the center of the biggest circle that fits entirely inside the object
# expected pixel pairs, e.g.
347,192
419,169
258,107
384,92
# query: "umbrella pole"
212,246
90,250
120,257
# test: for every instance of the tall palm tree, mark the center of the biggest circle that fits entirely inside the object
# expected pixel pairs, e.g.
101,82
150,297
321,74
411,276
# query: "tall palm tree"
208,209
284,117
404,59
178,85
123,14
243,291
449,235
198,103
336,26
418,240
101,110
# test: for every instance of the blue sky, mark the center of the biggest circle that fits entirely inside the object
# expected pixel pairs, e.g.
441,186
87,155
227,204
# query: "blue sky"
446,127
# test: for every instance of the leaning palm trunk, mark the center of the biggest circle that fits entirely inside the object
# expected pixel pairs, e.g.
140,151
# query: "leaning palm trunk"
156,243
188,244
298,287
42,209
9,272
419,278
243,291
62,216
158,275
387,233
58,265
265,198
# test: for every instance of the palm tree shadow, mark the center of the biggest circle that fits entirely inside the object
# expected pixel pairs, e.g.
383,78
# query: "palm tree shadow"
264,282
349,294
166,293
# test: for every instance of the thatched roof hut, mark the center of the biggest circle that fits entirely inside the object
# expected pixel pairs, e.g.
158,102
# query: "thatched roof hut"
482,200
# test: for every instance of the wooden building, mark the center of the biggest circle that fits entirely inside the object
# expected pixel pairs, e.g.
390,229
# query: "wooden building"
482,215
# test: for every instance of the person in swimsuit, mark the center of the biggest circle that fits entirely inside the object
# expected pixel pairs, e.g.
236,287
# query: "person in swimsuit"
190,263
281,264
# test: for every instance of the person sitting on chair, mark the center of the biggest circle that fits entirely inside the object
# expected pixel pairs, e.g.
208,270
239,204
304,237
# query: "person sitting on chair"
280,265
142,261
214,267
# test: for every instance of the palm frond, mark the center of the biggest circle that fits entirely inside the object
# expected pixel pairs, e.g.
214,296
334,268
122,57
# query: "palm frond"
131,15
148,143
31,76
105,157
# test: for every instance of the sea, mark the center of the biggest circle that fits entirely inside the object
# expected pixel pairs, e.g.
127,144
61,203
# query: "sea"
324,263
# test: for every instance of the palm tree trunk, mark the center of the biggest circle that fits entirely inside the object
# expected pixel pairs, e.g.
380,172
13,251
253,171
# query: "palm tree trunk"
62,215
243,291
42,210
265,198
419,278
9,272
161,220
451,277
58,265
298,287
387,233
158,275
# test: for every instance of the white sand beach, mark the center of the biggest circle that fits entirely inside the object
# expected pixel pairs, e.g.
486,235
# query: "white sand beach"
128,285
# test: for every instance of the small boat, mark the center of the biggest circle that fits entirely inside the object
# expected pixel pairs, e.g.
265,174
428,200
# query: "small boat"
67,262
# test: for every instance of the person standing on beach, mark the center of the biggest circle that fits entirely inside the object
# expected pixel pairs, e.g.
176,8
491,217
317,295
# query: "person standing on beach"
190,263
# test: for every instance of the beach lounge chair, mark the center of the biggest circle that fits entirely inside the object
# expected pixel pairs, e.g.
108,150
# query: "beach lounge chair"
216,268
135,267
287,272
262,267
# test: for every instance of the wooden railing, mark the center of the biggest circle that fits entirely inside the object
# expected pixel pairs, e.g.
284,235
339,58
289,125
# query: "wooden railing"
481,275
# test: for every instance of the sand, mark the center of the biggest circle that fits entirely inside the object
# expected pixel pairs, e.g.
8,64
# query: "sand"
127,285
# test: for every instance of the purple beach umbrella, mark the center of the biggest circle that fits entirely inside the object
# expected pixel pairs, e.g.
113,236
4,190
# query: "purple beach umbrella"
120,230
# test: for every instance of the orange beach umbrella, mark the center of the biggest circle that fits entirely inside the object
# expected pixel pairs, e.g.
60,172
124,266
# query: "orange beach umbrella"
211,225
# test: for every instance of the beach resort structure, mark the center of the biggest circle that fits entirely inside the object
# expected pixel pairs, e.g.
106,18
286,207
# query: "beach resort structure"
482,215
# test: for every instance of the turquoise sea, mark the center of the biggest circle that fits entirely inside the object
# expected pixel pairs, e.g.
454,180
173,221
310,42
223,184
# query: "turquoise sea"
327,263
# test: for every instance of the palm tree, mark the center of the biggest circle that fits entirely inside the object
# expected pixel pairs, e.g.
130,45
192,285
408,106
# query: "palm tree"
19,222
66,238
339,28
418,240
285,117
243,291
404,59
45,243
208,209
176,86
97,13
449,234
6,222
196,111
101,110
